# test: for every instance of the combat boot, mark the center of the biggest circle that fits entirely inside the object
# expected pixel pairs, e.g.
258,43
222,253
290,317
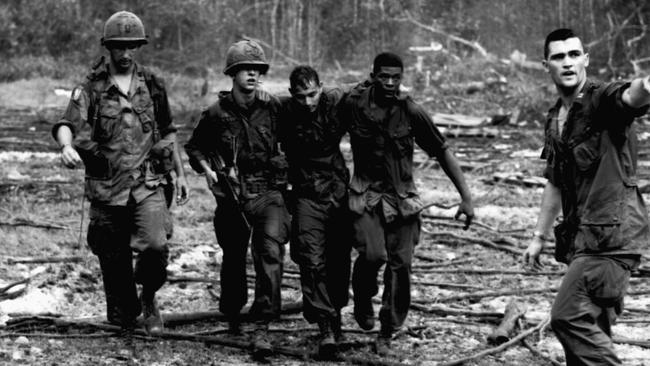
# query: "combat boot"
383,343
364,313
234,326
260,344
337,324
326,343
153,323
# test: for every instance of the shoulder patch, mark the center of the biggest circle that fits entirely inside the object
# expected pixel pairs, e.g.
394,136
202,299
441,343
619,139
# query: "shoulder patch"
76,93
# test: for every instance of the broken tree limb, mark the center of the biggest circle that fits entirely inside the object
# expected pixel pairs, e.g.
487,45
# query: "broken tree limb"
19,221
445,284
501,334
447,311
497,349
484,294
633,342
475,240
471,44
495,272
426,266
40,260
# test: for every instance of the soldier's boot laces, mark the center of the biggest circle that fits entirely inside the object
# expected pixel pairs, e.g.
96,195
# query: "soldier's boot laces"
326,342
153,323
261,345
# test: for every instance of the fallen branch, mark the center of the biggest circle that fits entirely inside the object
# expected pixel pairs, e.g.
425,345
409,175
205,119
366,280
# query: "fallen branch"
445,284
447,311
427,266
19,221
633,342
495,272
498,349
510,318
475,240
40,260
484,294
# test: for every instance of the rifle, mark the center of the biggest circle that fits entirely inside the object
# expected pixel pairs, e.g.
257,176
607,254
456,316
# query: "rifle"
227,198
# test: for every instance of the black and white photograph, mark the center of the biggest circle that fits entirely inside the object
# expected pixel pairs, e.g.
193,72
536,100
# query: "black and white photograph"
303,182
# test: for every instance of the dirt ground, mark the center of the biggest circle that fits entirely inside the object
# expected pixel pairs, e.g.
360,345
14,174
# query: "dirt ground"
35,189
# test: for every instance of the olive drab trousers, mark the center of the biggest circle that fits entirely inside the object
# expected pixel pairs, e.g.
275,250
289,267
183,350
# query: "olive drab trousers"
114,232
321,245
380,243
588,302
269,220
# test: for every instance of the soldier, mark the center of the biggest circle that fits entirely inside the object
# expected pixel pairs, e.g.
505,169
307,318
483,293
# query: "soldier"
320,242
118,123
383,125
591,156
238,133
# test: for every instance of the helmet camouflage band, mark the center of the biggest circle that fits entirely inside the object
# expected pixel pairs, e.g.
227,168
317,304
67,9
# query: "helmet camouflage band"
124,26
245,53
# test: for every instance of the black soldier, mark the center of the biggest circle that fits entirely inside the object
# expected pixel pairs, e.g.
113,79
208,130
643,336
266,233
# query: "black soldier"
385,205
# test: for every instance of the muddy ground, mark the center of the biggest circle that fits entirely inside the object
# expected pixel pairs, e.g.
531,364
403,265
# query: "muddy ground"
36,190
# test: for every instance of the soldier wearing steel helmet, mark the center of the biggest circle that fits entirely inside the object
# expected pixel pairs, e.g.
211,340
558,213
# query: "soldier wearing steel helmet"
239,132
118,124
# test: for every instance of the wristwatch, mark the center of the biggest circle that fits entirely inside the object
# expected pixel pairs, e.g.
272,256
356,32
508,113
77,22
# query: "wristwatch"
539,234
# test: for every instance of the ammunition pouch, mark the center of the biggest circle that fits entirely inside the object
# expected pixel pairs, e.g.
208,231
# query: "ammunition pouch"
162,156
252,186
565,233
279,177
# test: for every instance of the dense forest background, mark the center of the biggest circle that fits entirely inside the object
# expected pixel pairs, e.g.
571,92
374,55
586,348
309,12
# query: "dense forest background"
49,36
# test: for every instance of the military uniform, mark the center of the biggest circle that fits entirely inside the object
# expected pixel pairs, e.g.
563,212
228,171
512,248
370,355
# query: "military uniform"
384,201
117,135
320,241
605,227
245,139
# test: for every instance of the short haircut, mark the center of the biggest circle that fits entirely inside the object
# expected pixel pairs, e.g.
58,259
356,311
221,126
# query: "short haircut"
386,59
302,76
559,34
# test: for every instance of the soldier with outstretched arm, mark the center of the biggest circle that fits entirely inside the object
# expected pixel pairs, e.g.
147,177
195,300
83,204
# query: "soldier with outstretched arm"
591,158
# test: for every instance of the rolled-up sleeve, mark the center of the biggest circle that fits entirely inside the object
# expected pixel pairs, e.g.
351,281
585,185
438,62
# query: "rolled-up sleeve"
77,113
198,147
427,135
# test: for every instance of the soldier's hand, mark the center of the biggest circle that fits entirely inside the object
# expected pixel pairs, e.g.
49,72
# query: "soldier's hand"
262,94
211,177
70,157
532,253
182,191
465,208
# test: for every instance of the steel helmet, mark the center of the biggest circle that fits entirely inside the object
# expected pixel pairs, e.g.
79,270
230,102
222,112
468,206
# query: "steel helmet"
124,26
245,52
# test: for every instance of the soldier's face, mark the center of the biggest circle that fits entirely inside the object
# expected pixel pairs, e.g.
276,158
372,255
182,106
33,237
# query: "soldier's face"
122,55
567,63
307,96
246,80
387,80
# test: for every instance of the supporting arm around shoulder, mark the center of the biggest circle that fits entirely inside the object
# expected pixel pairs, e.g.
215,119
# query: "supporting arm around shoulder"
638,94
550,209
450,166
